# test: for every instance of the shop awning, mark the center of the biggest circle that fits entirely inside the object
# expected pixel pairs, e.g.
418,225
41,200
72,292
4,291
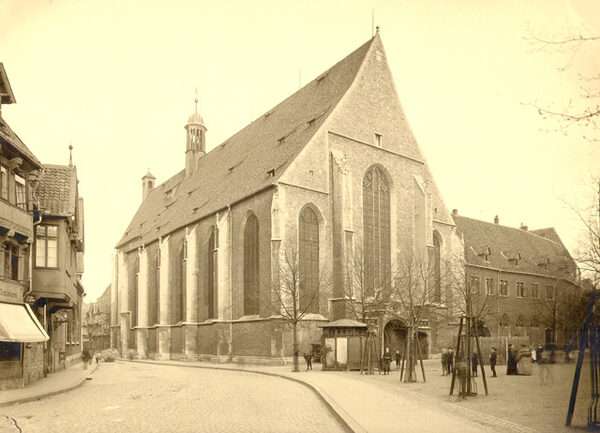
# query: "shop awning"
18,324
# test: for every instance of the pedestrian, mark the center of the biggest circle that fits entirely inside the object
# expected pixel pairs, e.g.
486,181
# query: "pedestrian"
444,362
544,362
493,359
474,364
511,361
387,360
538,353
308,359
450,360
397,360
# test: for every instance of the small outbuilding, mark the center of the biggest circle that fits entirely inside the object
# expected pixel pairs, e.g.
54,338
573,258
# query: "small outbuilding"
343,343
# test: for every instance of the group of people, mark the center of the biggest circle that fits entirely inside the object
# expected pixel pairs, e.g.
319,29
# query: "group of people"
448,359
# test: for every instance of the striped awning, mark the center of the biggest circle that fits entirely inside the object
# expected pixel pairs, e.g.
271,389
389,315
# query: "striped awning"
18,324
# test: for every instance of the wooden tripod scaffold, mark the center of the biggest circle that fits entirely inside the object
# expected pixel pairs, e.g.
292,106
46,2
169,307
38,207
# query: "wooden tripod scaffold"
590,336
462,365
371,356
408,357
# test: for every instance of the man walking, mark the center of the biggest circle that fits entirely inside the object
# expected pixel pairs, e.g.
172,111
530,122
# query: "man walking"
493,359
387,360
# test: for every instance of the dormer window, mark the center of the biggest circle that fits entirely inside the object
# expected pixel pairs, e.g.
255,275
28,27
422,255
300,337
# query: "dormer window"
485,253
378,140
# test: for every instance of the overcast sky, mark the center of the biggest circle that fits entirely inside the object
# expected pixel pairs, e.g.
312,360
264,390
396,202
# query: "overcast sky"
117,80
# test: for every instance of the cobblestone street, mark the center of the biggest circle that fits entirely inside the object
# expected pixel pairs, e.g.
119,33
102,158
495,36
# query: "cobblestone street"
125,397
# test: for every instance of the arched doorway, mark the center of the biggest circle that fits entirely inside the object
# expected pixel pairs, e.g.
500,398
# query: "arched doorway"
394,336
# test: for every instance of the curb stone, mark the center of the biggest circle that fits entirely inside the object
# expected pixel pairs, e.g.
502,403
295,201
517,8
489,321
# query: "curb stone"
50,393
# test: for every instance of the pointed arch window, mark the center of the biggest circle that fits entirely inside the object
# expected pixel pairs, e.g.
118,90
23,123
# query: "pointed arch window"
309,261
520,322
251,280
376,226
211,269
437,269
180,303
504,321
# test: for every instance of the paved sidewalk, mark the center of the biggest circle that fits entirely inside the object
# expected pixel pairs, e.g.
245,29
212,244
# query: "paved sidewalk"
365,405
55,383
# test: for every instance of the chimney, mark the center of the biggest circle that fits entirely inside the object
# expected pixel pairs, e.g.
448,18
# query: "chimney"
496,220
454,212
524,227
147,184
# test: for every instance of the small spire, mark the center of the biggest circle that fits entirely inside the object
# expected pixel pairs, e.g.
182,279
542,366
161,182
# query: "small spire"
70,155
377,29
196,99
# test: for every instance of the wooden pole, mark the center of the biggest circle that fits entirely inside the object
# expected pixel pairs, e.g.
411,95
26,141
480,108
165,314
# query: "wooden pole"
582,344
468,355
480,358
421,358
403,358
457,349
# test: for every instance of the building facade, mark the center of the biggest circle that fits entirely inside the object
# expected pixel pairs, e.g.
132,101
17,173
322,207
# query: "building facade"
96,323
331,173
58,264
22,337
525,281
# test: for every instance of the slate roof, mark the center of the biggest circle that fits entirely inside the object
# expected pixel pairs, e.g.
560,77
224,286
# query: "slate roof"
8,137
240,166
537,254
57,190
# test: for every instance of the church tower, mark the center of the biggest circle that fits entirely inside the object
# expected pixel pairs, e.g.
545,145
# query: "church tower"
195,141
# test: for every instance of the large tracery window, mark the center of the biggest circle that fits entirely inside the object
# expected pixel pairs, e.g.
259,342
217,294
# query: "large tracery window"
437,271
180,316
309,261
251,282
211,286
376,226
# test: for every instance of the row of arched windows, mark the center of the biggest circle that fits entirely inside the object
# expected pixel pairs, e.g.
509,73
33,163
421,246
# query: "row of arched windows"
376,254
520,322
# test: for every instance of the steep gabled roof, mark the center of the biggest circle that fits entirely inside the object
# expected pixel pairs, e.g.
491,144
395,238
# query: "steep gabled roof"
6,94
251,160
9,138
57,190
513,249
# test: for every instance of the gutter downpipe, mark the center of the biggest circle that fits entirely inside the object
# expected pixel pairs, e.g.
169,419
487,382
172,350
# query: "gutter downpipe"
230,283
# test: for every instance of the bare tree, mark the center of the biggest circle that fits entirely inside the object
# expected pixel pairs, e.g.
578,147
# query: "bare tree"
296,292
586,112
470,295
588,253
562,308
413,300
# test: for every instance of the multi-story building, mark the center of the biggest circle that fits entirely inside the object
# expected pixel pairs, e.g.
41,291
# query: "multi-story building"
525,281
331,173
22,336
58,263
96,323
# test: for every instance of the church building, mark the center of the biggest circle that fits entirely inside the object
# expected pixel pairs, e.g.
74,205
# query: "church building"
330,174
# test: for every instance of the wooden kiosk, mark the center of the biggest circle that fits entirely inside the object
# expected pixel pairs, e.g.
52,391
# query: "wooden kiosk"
343,342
